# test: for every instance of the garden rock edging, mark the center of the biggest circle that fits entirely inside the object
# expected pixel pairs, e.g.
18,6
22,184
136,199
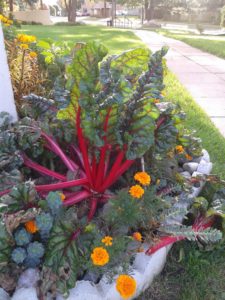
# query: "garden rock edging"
145,267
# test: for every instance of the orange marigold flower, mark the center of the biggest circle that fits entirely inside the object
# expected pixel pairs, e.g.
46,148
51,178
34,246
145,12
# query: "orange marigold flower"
63,197
100,256
107,240
143,178
31,226
137,236
33,54
126,286
179,149
136,191
156,101
188,157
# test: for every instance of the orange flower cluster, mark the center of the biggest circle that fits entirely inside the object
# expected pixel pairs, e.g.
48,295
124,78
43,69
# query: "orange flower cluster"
126,286
137,236
143,178
136,191
100,256
107,240
179,149
31,226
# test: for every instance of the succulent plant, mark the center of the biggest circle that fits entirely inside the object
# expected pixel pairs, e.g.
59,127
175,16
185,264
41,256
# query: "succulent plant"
31,262
44,222
22,237
18,255
54,202
35,250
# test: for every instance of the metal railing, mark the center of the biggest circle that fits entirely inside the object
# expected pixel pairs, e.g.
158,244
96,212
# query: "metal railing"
123,22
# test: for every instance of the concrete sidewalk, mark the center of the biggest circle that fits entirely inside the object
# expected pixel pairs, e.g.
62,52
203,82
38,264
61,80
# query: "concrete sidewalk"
201,73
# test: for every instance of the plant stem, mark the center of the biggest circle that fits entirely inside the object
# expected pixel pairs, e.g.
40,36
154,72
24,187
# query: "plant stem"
61,185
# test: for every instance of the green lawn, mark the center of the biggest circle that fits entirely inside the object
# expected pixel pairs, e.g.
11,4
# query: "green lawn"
115,39
200,276
190,274
211,44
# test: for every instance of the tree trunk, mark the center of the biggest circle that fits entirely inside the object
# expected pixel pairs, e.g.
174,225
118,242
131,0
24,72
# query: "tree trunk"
152,8
113,12
41,4
104,12
11,5
149,9
73,11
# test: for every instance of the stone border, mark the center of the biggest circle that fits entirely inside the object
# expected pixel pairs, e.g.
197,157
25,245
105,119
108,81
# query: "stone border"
144,268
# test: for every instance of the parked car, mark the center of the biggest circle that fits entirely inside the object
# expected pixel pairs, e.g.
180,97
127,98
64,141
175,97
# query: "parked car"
85,14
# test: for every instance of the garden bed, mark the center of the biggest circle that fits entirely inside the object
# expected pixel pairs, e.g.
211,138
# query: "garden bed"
97,178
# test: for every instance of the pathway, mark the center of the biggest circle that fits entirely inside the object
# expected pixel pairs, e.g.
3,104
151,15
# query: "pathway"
201,73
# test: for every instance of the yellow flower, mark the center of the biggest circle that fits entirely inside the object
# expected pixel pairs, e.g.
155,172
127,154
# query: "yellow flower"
33,54
63,197
100,256
179,149
137,236
143,178
188,157
107,240
24,46
31,226
136,191
6,24
126,286
24,38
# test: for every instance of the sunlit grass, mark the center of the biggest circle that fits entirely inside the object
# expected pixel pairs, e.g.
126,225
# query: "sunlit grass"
211,44
116,40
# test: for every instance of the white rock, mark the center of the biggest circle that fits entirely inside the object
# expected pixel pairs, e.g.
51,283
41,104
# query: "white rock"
108,290
84,290
190,167
186,174
154,267
28,278
204,167
205,156
4,295
196,191
25,294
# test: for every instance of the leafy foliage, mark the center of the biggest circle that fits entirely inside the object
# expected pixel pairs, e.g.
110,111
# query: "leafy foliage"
5,245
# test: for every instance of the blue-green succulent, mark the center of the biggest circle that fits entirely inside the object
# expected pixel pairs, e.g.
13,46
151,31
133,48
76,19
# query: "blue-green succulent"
44,223
54,202
22,237
18,255
35,250
31,262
